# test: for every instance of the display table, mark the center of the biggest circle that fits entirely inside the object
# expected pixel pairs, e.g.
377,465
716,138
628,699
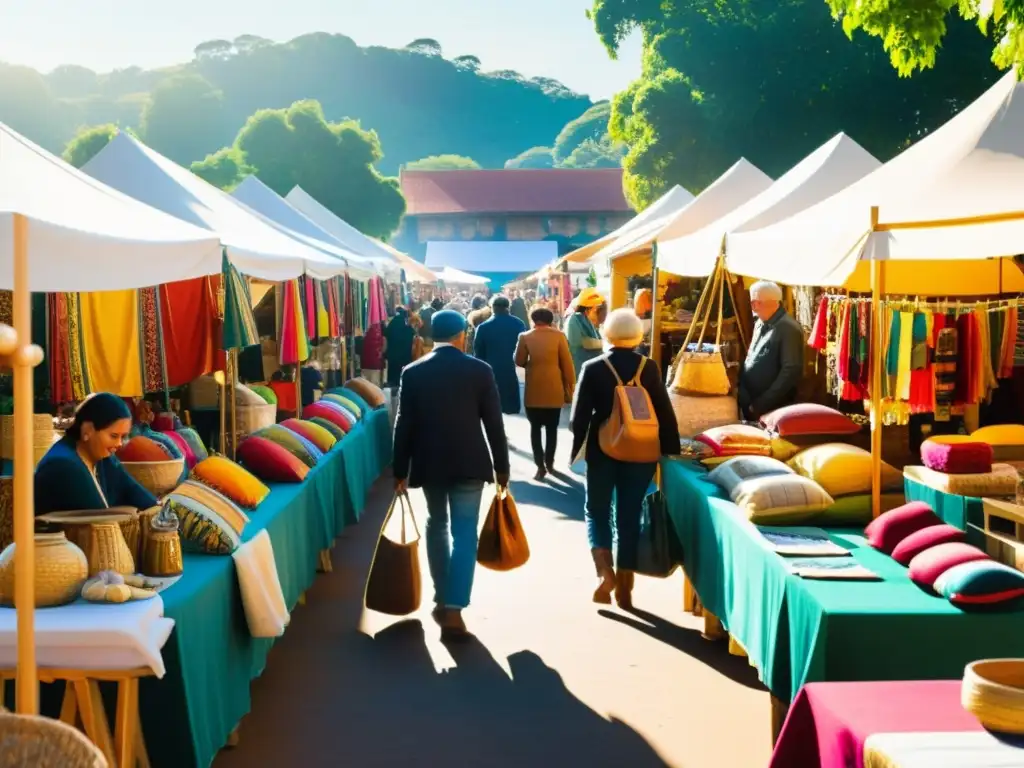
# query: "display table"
954,510
840,725
796,630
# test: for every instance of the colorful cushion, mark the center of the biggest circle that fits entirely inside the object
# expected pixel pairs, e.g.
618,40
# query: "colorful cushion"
208,522
345,402
265,392
737,440
926,568
235,482
173,449
246,396
368,391
349,415
183,447
292,442
195,442
316,434
715,461
332,413
780,499
783,450
694,449
888,530
336,432
163,422
843,469
980,582
142,448
270,461
739,468
856,509
957,458
919,541
808,419
351,394
953,439
1000,434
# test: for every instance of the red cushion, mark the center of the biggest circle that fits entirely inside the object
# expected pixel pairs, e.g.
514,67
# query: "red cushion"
808,419
957,458
890,528
332,413
271,462
919,541
163,422
349,416
933,562
183,446
141,448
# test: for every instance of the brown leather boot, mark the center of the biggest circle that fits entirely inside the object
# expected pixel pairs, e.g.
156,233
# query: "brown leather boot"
605,576
624,589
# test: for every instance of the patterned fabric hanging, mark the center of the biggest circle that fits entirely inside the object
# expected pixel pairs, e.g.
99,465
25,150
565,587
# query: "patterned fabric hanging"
61,387
309,309
151,349
239,322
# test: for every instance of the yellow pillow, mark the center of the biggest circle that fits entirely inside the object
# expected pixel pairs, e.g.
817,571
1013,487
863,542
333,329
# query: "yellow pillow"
953,439
999,434
780,499
843,469
783,450
238,484
344,402
713,461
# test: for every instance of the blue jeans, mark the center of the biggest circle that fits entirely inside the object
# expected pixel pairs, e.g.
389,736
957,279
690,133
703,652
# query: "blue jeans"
452,558
626,485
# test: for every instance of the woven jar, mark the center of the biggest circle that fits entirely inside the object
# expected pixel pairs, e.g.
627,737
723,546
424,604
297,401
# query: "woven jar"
108,550
31,740
61,569
43,436
162,554
993,691
157,477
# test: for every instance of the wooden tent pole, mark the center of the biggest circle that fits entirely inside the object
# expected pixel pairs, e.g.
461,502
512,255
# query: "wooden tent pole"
27,685
877,334
233,362
656,313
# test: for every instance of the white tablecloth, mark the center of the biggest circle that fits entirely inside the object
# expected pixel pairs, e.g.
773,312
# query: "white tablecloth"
84,635
968,749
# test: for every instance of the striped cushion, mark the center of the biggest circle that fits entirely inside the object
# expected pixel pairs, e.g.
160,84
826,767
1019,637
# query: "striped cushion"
194,441
780,499
316,434
345,402
292,442
209,522
232,480
337,432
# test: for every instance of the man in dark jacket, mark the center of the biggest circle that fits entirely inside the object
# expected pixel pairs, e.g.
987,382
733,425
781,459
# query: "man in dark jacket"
447,402
426,313
495,343
775,360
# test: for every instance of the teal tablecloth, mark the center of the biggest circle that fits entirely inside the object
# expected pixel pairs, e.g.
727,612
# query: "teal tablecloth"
800,630
953,509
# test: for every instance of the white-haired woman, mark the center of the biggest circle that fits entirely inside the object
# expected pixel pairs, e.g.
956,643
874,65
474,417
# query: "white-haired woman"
610,482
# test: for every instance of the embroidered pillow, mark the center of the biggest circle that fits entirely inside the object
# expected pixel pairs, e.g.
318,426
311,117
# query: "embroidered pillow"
918,542
292,442
739,468
345,402
981,582
265,392
926,568
889,529
808,419
843,469
336,432
782,499
143,448
195,442
957,458
270,461
208,522
235,482
330,412
368,391
737,440
314,433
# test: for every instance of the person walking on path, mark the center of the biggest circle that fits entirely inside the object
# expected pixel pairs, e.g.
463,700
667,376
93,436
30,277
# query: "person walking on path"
550,381
581,328
425,314
447,402
609,479
495,343
518,309
398,339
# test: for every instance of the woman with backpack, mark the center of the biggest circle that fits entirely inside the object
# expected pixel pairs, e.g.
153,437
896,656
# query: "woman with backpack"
623,417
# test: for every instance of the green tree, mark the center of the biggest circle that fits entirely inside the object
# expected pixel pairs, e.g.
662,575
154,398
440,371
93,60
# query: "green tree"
225,168
27,105
592,124
425,45
601,153
88,142
184,118
469,63
443,163
334,162
537,157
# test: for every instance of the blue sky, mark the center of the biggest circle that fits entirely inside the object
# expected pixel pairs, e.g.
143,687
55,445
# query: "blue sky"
552,38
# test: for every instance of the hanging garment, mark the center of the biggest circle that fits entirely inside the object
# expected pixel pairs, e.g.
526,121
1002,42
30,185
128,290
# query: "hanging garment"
152,350
819,329
189,326
906,347
110,339
1009,344
946,348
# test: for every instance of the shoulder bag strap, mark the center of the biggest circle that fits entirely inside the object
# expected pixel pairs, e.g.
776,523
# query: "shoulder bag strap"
635,381
614,372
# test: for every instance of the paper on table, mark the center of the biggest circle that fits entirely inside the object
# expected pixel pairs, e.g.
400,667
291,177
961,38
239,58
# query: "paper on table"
842,568
798,540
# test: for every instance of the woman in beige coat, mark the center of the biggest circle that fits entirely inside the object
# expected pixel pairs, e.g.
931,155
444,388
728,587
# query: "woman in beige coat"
550,381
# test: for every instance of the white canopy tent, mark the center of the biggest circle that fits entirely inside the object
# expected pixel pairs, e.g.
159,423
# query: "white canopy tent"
85,236
458,277
833,166
342,231
265,201
254,245
956,195
414,271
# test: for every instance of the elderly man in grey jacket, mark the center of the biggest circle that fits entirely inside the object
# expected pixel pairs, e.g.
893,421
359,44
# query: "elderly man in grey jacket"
775,360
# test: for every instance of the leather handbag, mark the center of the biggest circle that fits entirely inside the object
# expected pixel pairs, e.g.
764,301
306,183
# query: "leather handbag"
502,545
394,585
656,555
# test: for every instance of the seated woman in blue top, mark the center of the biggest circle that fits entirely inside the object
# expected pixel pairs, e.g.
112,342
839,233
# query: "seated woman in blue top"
80,471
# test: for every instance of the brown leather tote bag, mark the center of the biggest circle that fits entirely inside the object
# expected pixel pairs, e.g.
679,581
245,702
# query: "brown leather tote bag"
394,585
502,545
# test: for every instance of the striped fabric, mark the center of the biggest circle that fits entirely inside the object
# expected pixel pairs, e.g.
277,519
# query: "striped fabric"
239,322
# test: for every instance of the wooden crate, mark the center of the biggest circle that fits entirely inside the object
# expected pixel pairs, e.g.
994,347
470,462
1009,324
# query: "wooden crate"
1000,547
1004,518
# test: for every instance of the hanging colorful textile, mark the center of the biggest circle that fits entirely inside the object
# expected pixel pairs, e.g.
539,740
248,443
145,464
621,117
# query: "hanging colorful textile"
110,340
294,346
333,312
151,349
239,322
309,311
188,319
61,388
946,346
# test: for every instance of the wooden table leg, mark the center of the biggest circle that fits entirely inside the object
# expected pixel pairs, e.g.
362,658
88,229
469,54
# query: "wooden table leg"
140,745
94,718
689,596
735,648
302,599
126,721
326,566
713,629
779,711
233,737
69,707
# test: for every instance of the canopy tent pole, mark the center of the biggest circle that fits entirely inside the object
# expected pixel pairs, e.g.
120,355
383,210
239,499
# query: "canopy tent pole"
27,685
877,331
233,363
656,313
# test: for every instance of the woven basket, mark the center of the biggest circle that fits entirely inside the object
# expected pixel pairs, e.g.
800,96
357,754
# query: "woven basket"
43,436
101,535
39,742
157,477
61,569
694,414
993,691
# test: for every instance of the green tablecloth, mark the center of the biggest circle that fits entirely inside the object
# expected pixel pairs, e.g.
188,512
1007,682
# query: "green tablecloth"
799,630
953,509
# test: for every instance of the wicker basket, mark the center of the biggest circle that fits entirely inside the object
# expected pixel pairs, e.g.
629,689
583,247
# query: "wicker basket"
43,436
993,691
39,742
694,414
101,535
157,477
61,569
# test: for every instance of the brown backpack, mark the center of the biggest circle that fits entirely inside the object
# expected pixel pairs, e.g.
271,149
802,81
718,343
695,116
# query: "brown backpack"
631,433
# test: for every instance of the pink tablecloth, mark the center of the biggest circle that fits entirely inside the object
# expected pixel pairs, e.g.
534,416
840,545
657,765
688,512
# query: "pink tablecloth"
829,722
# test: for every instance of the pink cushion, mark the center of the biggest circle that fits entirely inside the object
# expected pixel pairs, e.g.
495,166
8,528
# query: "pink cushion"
808,419
271,462
183,446
163,422
332,413
919,541
957,458
934,561
890,528
737,440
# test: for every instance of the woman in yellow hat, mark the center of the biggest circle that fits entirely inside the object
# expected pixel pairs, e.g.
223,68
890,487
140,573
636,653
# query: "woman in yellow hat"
581,329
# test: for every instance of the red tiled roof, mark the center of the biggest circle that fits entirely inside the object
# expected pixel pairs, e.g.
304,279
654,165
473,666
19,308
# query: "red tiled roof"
547,190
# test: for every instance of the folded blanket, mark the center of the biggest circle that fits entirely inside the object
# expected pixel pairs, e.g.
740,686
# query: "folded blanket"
969,749
1001,481
262,598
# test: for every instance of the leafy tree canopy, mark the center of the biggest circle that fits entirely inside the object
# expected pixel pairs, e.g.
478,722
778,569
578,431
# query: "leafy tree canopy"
592,124
183,116
769,81
425,45
443,163
536,157
87,144
225,168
